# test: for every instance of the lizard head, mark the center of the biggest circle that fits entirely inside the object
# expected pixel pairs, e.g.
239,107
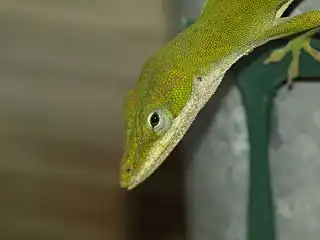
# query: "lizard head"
152,127
174,85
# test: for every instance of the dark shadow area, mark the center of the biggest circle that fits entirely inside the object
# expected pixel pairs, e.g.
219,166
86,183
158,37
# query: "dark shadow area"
291,8
156,207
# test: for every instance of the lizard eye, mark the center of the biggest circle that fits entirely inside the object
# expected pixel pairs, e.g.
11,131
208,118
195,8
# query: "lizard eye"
159,120
154,119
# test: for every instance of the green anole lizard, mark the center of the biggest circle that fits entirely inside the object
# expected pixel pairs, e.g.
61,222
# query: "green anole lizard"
178,80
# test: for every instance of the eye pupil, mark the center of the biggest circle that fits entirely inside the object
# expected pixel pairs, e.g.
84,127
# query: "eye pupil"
154,119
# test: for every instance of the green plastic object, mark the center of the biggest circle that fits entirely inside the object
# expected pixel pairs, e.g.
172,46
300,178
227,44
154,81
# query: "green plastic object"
258,84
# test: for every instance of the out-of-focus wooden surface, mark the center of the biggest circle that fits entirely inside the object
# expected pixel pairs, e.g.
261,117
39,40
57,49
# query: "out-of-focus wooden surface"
64,68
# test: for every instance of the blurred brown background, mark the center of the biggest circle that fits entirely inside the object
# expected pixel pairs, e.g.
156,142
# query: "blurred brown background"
64,68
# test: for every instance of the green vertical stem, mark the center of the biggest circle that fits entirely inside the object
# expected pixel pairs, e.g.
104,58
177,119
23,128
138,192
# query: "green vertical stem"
261,221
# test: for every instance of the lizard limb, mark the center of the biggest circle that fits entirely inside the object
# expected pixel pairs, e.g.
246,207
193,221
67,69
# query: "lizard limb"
310,22
295,46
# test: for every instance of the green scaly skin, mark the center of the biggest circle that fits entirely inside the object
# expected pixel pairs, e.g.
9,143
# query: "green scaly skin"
178,80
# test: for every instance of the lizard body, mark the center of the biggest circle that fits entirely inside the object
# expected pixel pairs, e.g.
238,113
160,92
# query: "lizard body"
178,80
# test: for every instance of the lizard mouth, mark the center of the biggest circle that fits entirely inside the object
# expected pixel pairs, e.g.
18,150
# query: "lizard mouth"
158,153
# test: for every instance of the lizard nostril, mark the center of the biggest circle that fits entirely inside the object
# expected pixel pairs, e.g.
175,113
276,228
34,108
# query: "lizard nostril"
129,170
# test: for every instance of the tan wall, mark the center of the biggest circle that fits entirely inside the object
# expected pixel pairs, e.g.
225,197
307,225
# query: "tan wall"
64,68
